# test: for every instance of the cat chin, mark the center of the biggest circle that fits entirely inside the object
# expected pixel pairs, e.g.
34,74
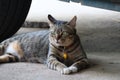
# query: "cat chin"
60,44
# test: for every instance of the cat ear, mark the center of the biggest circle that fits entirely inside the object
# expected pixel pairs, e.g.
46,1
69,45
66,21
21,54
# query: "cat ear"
72,23
52,19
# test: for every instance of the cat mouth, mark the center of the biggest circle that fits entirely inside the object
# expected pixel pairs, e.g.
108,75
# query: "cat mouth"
60,43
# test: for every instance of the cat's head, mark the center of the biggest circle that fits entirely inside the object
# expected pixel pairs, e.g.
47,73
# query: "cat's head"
62,33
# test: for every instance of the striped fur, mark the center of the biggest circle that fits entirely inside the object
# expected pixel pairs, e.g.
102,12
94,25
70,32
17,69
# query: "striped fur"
30,47
65,42
60,47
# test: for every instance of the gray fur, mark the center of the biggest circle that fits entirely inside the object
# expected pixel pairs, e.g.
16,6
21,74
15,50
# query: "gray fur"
65,41
34,45
50,47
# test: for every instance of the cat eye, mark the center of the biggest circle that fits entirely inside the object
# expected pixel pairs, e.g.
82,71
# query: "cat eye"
65,33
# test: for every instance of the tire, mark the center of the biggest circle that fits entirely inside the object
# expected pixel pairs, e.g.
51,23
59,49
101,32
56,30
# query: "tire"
12,15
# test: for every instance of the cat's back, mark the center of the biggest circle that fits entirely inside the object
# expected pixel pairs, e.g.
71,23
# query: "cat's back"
28,37
34,40
33,44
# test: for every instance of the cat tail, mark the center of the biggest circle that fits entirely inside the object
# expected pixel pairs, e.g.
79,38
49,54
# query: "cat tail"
13,53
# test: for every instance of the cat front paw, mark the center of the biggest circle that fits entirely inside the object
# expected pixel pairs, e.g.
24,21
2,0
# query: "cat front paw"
66,71
73,69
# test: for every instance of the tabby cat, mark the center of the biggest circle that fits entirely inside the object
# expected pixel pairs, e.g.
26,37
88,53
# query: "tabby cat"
59,47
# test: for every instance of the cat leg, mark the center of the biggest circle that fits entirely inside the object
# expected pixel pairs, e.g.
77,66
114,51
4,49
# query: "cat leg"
8,58
54,64
13,53
79,65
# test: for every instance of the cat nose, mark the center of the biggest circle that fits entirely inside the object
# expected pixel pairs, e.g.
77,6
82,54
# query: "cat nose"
56,41
58,37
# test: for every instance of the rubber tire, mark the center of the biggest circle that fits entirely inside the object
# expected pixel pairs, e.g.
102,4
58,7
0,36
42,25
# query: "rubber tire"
12,15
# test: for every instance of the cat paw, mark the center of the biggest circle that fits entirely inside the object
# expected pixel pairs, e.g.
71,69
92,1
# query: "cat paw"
69,70
73,69
66,71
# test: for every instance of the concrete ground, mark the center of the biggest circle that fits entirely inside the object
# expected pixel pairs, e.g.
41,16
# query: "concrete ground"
102,48
99,31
